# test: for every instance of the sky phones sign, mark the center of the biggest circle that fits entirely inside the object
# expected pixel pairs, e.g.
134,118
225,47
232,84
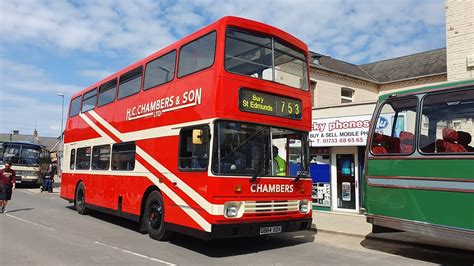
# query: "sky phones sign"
340,131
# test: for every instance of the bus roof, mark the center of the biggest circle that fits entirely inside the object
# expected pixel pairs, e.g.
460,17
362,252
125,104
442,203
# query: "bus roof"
228,20
23,143
428,88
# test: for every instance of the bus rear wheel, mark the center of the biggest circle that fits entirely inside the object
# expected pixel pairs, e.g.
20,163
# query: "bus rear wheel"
80,200
153,218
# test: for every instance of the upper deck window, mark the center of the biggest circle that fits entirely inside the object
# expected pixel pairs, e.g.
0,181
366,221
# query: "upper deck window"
89,99
197,55
264,57
107,92
130,82
75,107
160,70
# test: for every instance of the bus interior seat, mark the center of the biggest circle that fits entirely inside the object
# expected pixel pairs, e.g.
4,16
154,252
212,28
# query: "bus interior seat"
426,145
464,139
407,141
449,142
377,144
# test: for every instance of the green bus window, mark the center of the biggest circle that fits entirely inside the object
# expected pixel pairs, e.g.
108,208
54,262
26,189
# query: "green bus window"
395,128
447,122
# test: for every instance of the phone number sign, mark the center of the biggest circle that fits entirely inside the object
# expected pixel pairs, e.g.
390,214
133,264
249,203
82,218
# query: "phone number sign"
269,104
340,131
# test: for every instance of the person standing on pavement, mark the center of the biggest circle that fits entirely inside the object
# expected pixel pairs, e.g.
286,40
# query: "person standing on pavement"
7,185
48,179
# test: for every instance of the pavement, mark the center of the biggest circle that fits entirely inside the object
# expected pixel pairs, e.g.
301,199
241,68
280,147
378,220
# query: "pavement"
355,225
352,225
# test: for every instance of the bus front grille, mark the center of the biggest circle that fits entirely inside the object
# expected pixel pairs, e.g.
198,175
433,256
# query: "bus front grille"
271,206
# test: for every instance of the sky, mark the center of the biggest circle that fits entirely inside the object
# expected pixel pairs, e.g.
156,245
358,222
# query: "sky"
50,47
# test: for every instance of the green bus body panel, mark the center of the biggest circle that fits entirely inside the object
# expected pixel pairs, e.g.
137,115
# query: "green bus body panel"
446,208
427,88
453,209
448,168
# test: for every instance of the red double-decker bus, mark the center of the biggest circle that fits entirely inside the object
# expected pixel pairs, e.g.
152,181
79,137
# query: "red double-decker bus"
206,137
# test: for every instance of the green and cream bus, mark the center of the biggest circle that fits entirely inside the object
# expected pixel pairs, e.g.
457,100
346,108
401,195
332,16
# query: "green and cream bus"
419,170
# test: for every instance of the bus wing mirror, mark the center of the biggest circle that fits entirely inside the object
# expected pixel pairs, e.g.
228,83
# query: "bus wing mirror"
198,136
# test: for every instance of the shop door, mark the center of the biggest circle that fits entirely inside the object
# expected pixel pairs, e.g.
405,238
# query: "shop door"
346,183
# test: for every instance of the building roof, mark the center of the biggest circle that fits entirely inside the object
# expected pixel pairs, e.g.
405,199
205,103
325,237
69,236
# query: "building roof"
412,66
406,67
48,142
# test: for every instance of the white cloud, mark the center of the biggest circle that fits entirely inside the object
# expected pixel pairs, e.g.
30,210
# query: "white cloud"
142,27
28,97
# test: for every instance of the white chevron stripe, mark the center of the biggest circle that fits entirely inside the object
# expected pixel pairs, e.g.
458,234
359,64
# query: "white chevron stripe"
214,209
170,193
95,127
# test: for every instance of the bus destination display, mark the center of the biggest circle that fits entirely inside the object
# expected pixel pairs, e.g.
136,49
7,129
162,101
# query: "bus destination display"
268,104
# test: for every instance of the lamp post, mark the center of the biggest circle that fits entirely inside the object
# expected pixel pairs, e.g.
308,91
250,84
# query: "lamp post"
60,162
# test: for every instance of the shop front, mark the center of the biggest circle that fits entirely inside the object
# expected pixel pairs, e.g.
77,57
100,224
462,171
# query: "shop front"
337,147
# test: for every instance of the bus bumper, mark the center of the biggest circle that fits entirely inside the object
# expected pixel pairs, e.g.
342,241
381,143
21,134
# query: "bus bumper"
256,229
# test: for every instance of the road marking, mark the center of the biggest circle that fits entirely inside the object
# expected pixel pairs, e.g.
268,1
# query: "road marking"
134,253
33,223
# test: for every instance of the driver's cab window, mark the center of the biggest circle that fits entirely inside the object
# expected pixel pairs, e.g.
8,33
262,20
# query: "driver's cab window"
395,128
194,149
287,152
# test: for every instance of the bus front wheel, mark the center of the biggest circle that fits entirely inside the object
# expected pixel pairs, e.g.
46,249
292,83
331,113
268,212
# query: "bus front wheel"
80,200
153,217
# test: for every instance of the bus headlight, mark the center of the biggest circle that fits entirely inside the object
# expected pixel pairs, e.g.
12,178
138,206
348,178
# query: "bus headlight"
304,206
232,209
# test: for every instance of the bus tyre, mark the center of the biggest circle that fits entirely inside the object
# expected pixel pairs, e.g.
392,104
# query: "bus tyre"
80,200
153,218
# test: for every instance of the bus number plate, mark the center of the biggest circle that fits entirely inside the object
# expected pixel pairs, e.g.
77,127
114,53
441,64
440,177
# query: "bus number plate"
270,230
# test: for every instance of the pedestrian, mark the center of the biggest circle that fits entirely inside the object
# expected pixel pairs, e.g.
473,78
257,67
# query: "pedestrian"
48,179
7,185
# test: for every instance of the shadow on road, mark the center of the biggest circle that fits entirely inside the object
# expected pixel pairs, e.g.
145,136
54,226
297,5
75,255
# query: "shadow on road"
421,252
19,210
220,247
238,246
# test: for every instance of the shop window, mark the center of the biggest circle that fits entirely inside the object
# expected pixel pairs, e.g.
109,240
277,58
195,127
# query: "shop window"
194,148
347,95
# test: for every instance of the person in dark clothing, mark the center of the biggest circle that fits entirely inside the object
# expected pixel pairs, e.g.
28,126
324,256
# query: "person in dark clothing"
7,185
48,179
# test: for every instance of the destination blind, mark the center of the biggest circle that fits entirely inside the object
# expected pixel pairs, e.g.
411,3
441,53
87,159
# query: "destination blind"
269,104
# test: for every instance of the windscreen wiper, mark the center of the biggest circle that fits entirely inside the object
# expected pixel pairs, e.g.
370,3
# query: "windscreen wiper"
258,173
302,173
